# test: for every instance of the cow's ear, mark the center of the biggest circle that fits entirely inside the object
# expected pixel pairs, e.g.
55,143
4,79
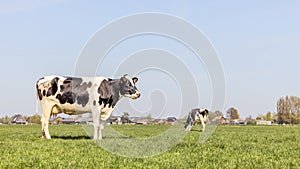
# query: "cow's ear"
135,79
123,79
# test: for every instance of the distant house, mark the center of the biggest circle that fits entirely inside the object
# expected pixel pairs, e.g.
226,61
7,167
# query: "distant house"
56,120
223,120
243,122
114,120
263,122
171,120
19,119
139,120
234,121
69,121
84,120
159,121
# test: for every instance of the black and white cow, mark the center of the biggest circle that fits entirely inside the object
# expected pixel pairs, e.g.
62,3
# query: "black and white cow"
196,116
78,95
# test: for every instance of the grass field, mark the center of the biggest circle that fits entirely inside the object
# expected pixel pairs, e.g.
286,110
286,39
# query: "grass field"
228,147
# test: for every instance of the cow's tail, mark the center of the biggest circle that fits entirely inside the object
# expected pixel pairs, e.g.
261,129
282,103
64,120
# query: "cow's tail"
36,101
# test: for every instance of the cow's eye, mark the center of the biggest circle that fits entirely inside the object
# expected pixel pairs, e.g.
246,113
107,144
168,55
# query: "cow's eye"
130,91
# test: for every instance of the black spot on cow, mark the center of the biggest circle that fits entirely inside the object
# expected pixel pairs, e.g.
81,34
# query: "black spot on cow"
89,84
109,92
73,90
203,113
44,92
66,97
53,88
83,99
39,92
94,102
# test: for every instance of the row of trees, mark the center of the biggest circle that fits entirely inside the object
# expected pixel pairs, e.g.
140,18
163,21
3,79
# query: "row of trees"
30,119
288,112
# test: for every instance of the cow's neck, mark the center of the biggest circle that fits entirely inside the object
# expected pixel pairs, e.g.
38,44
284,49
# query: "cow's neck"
115,85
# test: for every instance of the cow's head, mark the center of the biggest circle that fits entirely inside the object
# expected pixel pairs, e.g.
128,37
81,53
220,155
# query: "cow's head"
128,88
204,112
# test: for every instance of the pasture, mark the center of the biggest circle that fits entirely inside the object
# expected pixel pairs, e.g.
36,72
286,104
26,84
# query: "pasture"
228,147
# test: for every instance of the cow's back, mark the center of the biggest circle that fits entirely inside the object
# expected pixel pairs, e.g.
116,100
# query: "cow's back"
68,94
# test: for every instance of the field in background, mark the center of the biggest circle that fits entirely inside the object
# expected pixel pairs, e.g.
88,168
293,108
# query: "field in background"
21,146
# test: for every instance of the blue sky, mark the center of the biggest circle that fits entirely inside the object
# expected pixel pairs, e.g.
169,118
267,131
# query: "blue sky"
257,42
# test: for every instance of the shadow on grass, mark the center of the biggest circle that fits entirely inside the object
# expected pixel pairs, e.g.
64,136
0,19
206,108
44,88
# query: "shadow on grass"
196,130
71,137
118,137
87,137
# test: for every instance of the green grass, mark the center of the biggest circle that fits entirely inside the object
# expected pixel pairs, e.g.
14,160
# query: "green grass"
21,146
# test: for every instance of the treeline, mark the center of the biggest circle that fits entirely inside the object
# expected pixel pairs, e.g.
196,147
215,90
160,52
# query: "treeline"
288,112
35,119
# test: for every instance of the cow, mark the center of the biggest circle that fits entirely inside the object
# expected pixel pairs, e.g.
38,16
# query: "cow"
78,95
196,116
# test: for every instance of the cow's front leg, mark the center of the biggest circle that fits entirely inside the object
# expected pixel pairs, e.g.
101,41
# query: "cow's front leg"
203,124
198,125
101,127
189,127
96,123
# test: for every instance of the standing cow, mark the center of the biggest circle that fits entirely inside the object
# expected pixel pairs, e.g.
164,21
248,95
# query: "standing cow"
78,95
196,116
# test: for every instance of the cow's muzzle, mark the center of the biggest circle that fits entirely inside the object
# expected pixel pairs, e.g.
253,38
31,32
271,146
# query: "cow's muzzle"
136,95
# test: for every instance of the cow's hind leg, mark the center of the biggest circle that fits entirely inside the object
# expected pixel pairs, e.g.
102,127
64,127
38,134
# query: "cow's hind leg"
45,120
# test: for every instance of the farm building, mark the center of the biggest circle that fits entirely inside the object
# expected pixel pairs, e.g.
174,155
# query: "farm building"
84,120
139,120
171,120
56,120
70,120
159,121
263,122
19,119
114,120
223,120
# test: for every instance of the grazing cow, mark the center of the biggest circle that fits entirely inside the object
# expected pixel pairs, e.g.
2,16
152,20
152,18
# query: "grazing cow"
78,95
196,116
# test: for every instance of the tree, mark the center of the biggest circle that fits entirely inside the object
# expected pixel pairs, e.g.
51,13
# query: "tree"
298,118
34,119
232,113
249,118
215,116
288,109
259,117
275,117
6,120
218,113
125,118
268,116
149,117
